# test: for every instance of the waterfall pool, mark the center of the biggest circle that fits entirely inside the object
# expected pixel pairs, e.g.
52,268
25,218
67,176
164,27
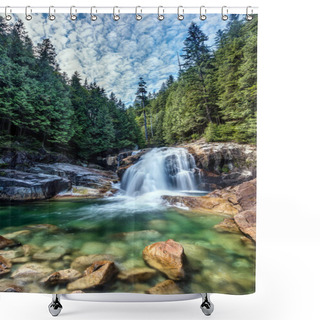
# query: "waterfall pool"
216,262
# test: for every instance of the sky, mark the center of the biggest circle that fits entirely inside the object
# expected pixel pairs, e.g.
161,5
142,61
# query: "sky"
114,54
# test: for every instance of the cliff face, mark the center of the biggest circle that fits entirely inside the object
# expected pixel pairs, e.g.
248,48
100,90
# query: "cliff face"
223,163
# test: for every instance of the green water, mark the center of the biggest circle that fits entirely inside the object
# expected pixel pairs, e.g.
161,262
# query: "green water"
217,262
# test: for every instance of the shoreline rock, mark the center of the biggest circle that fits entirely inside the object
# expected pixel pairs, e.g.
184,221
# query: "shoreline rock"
204,204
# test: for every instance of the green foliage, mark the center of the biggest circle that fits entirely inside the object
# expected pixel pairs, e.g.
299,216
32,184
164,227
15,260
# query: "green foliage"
40,106
215,95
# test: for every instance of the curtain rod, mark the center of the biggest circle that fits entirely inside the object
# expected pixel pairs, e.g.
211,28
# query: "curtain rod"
134,10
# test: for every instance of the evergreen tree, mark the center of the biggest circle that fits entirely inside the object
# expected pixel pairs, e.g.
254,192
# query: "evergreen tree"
141,96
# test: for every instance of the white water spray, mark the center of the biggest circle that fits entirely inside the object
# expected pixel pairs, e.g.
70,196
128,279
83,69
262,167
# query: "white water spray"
161,169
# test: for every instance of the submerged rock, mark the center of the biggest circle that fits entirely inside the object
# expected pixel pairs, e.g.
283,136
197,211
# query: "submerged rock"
6,243
140,234
5,266
137,274
52,254
31,272
165,287
7,285
11,254
96,275
17,234
167,257
62,276
43,226
83,262
24,186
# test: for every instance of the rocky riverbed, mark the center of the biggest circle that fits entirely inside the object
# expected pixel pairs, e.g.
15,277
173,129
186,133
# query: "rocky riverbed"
90,241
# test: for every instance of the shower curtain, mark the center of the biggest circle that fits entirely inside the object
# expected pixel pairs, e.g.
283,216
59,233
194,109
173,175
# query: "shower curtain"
128,153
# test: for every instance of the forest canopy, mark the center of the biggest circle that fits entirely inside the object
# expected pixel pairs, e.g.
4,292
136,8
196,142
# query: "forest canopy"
214,96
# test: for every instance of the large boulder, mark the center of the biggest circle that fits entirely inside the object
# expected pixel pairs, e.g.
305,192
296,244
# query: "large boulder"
99,273
23,186
167,257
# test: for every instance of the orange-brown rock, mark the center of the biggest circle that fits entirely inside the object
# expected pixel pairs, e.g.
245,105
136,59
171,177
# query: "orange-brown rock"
246,220
96,275
227,225
62,276
4,243
5,266
167,257
205,204
165,287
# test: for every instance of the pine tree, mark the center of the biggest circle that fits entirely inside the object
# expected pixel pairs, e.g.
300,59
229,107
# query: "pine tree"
141,96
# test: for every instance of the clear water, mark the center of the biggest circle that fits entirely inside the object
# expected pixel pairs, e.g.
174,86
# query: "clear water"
217,262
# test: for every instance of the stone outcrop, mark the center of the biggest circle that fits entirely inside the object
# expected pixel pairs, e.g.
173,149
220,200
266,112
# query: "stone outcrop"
205,204
99,273
167,257
223,163
24,186
245,220
227,225
44,181
165,287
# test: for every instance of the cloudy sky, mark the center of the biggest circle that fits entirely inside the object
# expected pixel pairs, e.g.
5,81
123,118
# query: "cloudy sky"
115,54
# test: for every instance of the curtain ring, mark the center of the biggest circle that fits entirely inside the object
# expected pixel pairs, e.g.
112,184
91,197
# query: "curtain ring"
28,15
160,16
8,15
93,16
138,16
116,17
224,13
180,14
203,13
73,17
249,16
51,15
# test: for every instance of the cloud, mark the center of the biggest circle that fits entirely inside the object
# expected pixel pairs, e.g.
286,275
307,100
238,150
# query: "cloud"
115,53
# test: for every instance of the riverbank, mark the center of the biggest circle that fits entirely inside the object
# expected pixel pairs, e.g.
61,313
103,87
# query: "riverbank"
30,176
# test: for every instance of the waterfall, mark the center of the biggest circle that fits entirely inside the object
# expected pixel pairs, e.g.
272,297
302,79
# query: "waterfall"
161,169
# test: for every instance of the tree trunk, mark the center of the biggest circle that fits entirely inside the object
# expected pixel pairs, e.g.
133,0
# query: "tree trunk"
205,98
145,122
